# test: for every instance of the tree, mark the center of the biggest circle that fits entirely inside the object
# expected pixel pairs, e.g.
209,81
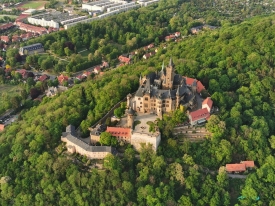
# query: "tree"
24,94
15,101
34,92
107,139
67,51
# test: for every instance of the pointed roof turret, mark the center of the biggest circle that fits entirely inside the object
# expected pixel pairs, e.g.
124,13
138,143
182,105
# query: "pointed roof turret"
162,68
169,94
171,62
178,91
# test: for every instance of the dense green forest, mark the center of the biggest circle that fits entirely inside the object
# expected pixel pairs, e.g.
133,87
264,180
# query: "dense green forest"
235,63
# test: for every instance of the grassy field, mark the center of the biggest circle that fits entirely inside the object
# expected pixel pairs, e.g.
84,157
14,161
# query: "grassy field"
33,4
6,92
11,16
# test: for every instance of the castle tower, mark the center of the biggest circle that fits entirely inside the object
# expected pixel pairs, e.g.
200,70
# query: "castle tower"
140,80
130,117
129,96
178,97
170,73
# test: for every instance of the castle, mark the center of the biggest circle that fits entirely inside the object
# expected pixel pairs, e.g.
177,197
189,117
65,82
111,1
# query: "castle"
158,93
162,92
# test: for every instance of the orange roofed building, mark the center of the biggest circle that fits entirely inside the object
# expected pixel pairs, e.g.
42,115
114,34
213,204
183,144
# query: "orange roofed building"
62,78
242,167
207,103
235,168
199,115
121,133
2,127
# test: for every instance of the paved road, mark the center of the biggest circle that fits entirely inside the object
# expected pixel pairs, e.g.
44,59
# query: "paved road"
237,176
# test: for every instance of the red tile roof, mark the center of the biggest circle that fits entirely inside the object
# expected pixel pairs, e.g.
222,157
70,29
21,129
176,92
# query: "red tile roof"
124,59
62,78
43,78
86,73
97,69
189,81
248,163
2,126
208,101
31,28
200,87
235,167
6,26
5,39
119,131
22,72
21,17
199,114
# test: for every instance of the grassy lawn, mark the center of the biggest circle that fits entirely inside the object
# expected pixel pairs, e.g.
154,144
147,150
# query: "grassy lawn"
6,92
33,4
11,16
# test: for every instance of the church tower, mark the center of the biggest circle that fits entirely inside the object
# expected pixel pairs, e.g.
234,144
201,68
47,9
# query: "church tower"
170,73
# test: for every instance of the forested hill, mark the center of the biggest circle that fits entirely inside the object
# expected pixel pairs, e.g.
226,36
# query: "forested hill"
236,63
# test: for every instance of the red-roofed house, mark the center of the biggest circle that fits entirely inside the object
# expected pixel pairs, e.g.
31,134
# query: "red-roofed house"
105,64
62,78
43,78
86,74
248,164
199,115
2,127
189,81
15,39
207,103
235,168
97,70
122,134
5,39
177,34
200,87
80,77
170,37
23,72
6,26
148,55
124,59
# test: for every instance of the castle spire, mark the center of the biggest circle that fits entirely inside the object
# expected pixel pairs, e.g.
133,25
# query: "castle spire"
162,66
171,62
178,91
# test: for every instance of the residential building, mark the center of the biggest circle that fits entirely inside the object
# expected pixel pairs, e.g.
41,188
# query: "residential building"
5,27
2,127
122,134
76,145
31,49
148,55
124,59
235,168
242,167
198,115
207,103
97,70
5,39
31,28
15,38
43,78
62,78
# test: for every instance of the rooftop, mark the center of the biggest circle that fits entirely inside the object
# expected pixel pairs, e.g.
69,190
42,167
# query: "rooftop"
119,131
199,114
235,167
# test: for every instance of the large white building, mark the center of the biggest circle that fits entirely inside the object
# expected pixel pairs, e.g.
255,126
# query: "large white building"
54,19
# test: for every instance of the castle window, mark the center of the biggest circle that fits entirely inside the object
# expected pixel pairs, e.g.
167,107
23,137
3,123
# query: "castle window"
146,98
140,102
145,105
167,105
139,98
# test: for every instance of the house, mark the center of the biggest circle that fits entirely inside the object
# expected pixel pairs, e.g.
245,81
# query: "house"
170,37
199,115
5,27
31,49
43,78
86,74
242,167
177,34
248,164
62,78
148,55
25,37
235,168
31,28
76,145
15,39
97,70
207,103
80,77
52,91
124,59
149,47
2,127
23,73
121,134
196,30
105,64
5,39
